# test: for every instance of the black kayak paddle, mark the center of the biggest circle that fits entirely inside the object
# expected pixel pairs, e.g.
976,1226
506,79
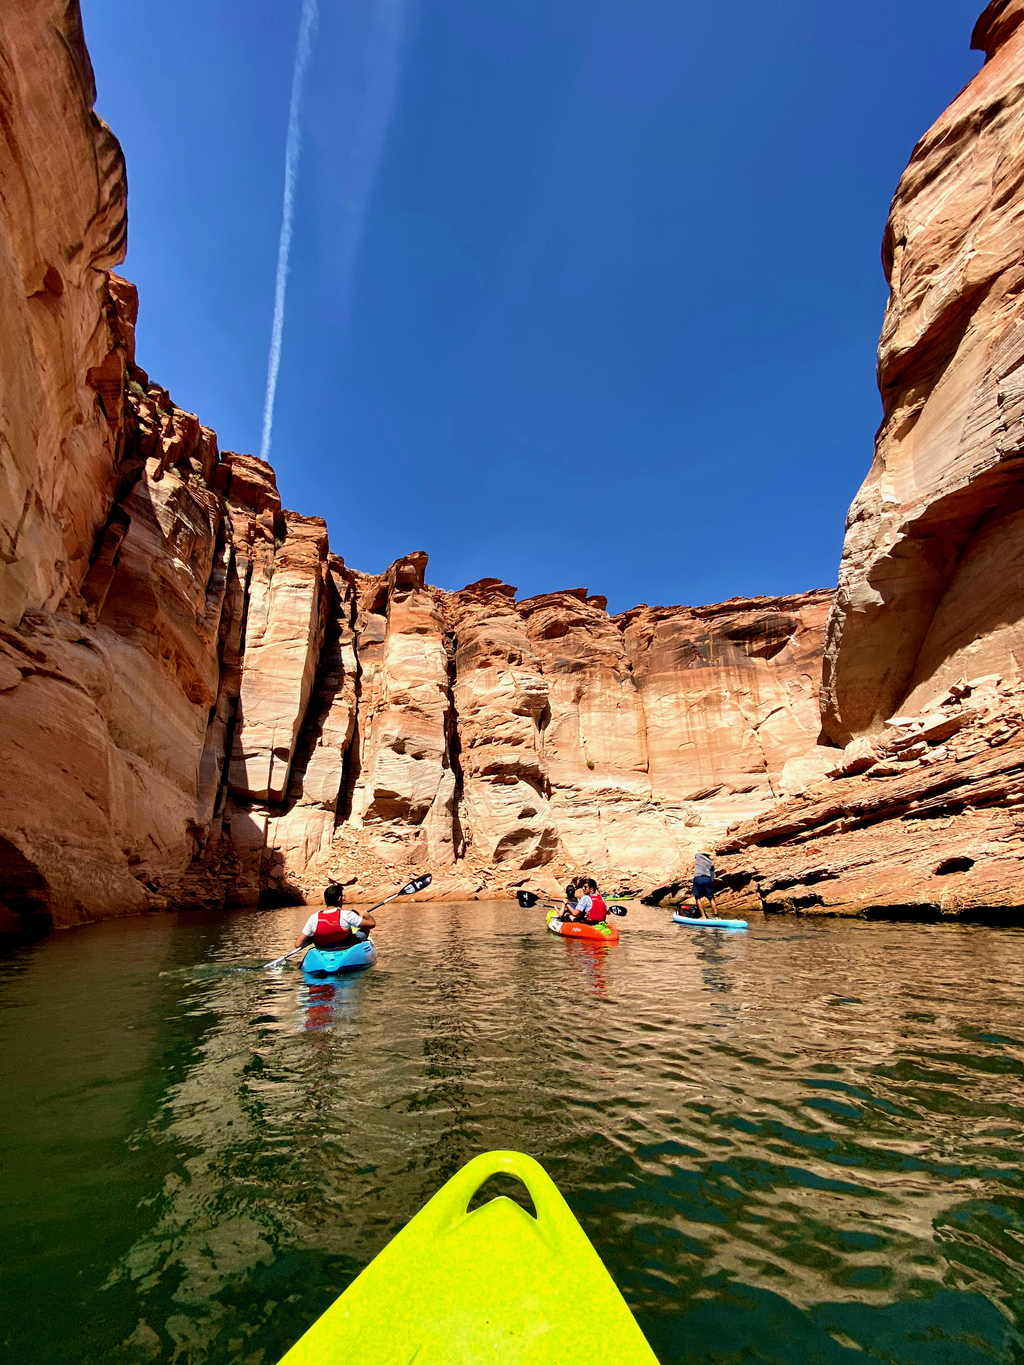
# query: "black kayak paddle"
528,899
410,889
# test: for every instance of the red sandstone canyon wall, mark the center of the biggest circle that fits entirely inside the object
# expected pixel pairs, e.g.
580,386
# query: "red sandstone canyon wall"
922,667
201,704
932,573
131,549
502,742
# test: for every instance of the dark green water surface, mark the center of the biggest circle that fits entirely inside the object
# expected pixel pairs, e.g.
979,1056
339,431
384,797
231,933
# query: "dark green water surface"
799,1144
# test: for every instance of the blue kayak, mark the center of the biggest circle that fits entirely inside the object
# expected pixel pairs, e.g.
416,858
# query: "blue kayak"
323,962
710,923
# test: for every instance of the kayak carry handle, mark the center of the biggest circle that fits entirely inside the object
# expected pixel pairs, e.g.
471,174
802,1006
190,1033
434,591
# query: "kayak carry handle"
451,1203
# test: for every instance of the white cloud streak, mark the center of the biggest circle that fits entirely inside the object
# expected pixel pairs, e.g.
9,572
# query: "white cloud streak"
293,146
378,31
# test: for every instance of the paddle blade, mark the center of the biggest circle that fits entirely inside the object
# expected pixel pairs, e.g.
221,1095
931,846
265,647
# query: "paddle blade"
278,961
526,899
418,884
619,910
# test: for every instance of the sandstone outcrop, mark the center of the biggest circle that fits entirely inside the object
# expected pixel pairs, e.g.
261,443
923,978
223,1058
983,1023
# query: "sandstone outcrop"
932,574
930,828
504,742
200,704
63,348
922,665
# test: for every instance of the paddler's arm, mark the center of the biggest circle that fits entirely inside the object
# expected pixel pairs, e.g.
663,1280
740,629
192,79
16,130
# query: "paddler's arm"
367,922
303,939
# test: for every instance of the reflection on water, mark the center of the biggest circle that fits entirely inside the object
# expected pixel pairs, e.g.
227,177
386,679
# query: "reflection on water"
798,1144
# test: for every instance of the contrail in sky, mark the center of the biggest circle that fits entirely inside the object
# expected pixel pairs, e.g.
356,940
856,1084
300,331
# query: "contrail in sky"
377,32
291,170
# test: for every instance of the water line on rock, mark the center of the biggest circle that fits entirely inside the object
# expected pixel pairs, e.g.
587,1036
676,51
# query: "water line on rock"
293,146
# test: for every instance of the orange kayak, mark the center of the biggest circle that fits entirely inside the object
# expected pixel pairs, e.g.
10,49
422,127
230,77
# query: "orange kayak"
594,933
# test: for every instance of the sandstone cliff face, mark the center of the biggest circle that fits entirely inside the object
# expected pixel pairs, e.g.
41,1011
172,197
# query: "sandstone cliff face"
130,548
932,574
201,704
504,743
926,822
63,350
921,813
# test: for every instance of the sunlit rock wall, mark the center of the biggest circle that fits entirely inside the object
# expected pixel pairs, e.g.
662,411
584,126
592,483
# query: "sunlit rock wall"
504,743
921,816
931,586
201,704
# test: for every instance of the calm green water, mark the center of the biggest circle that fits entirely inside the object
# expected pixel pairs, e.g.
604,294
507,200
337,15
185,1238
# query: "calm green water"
801,1144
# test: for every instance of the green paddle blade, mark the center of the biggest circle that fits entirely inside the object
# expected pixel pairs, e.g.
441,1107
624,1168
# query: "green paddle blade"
495,1285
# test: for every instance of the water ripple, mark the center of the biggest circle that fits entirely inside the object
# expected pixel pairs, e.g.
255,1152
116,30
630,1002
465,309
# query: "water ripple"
799,1144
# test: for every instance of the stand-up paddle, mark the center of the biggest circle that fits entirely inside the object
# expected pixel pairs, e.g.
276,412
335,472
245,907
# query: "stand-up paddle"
528,899
410,889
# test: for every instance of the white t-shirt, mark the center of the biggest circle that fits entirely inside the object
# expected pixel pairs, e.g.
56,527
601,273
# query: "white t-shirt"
583,904
352,917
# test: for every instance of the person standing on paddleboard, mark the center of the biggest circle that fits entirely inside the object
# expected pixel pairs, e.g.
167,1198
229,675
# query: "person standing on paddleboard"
704,884
333,928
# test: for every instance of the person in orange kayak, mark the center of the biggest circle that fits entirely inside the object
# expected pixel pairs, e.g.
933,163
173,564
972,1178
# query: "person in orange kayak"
583,902
597,911
568,911
333,928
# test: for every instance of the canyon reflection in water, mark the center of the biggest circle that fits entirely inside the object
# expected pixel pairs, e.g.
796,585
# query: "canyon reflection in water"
803,1143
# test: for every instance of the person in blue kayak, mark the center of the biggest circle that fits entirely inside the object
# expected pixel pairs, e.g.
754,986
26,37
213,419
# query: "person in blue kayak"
334,928
704,884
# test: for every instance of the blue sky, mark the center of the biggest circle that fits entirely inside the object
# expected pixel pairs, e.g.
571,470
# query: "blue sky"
583,293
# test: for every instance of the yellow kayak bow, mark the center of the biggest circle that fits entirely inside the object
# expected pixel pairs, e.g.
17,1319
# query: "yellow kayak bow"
495,1285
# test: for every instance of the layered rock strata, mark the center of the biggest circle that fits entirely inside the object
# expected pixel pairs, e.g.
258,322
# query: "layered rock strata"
201,704
925,822
932,573
502,742
922,815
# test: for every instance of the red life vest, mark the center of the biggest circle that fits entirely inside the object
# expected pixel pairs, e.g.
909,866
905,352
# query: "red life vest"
331,933
598,910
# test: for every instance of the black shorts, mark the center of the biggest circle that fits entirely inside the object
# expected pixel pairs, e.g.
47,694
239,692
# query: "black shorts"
704,886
